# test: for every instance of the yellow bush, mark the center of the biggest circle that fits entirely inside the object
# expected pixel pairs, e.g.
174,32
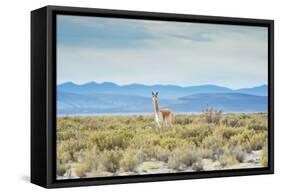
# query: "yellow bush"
175,160
183,157
172,143
87,161
227,159
131,159
206,153
168,143
183,120
193,132
81,169
63,157
111,144
242,139
257,140
61,169
162,154
111,139
213,142
109,160
238,153
211,115
264,159
146,138
258,125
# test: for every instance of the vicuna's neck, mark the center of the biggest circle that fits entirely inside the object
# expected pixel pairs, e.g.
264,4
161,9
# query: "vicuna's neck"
156,108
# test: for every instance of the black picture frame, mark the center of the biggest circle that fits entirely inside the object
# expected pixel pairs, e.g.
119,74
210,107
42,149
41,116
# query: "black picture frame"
43,95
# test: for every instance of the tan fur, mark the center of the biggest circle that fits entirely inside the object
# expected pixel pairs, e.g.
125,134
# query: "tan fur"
162,116
167,115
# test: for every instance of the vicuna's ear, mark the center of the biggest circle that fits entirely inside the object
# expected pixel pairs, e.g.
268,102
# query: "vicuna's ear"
156,93
152,93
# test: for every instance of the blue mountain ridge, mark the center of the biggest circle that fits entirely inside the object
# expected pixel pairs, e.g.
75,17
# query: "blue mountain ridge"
107,98
167,91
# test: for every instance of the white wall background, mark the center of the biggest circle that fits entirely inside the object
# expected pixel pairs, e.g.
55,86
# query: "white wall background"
15,95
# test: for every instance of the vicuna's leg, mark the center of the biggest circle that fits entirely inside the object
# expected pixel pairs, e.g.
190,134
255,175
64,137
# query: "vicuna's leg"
158,126
166,122
169,120
157,123
172,121
172,118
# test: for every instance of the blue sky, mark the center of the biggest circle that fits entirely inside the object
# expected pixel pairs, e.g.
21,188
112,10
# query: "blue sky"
128,51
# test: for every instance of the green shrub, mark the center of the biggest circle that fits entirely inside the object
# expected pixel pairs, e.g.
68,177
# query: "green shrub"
81,169
213,142
146,138
175,160
231,122
131,159
264,159
61,169
258,125
109,160
257,141
162,154
217,153
234,121
168,143
238,153
183,120
108,145
242,139
95,157
63,155
206,153
111,139
227,160
183,156
86,162
192,133
192,156
228,132
212,115
146,141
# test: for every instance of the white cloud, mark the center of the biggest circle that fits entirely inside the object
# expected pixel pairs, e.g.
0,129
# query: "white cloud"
180,53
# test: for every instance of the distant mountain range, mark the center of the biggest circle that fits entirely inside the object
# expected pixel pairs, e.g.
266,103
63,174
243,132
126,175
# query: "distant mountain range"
109,98
165,91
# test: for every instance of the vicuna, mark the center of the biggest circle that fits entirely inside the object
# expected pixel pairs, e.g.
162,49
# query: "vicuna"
162,116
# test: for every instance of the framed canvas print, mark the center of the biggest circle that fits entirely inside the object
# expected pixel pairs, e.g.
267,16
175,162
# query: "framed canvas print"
125,96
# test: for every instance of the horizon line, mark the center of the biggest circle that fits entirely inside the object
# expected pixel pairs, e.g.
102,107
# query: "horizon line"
121,85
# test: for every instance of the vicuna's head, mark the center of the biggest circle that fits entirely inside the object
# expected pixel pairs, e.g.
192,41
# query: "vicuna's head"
154,96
